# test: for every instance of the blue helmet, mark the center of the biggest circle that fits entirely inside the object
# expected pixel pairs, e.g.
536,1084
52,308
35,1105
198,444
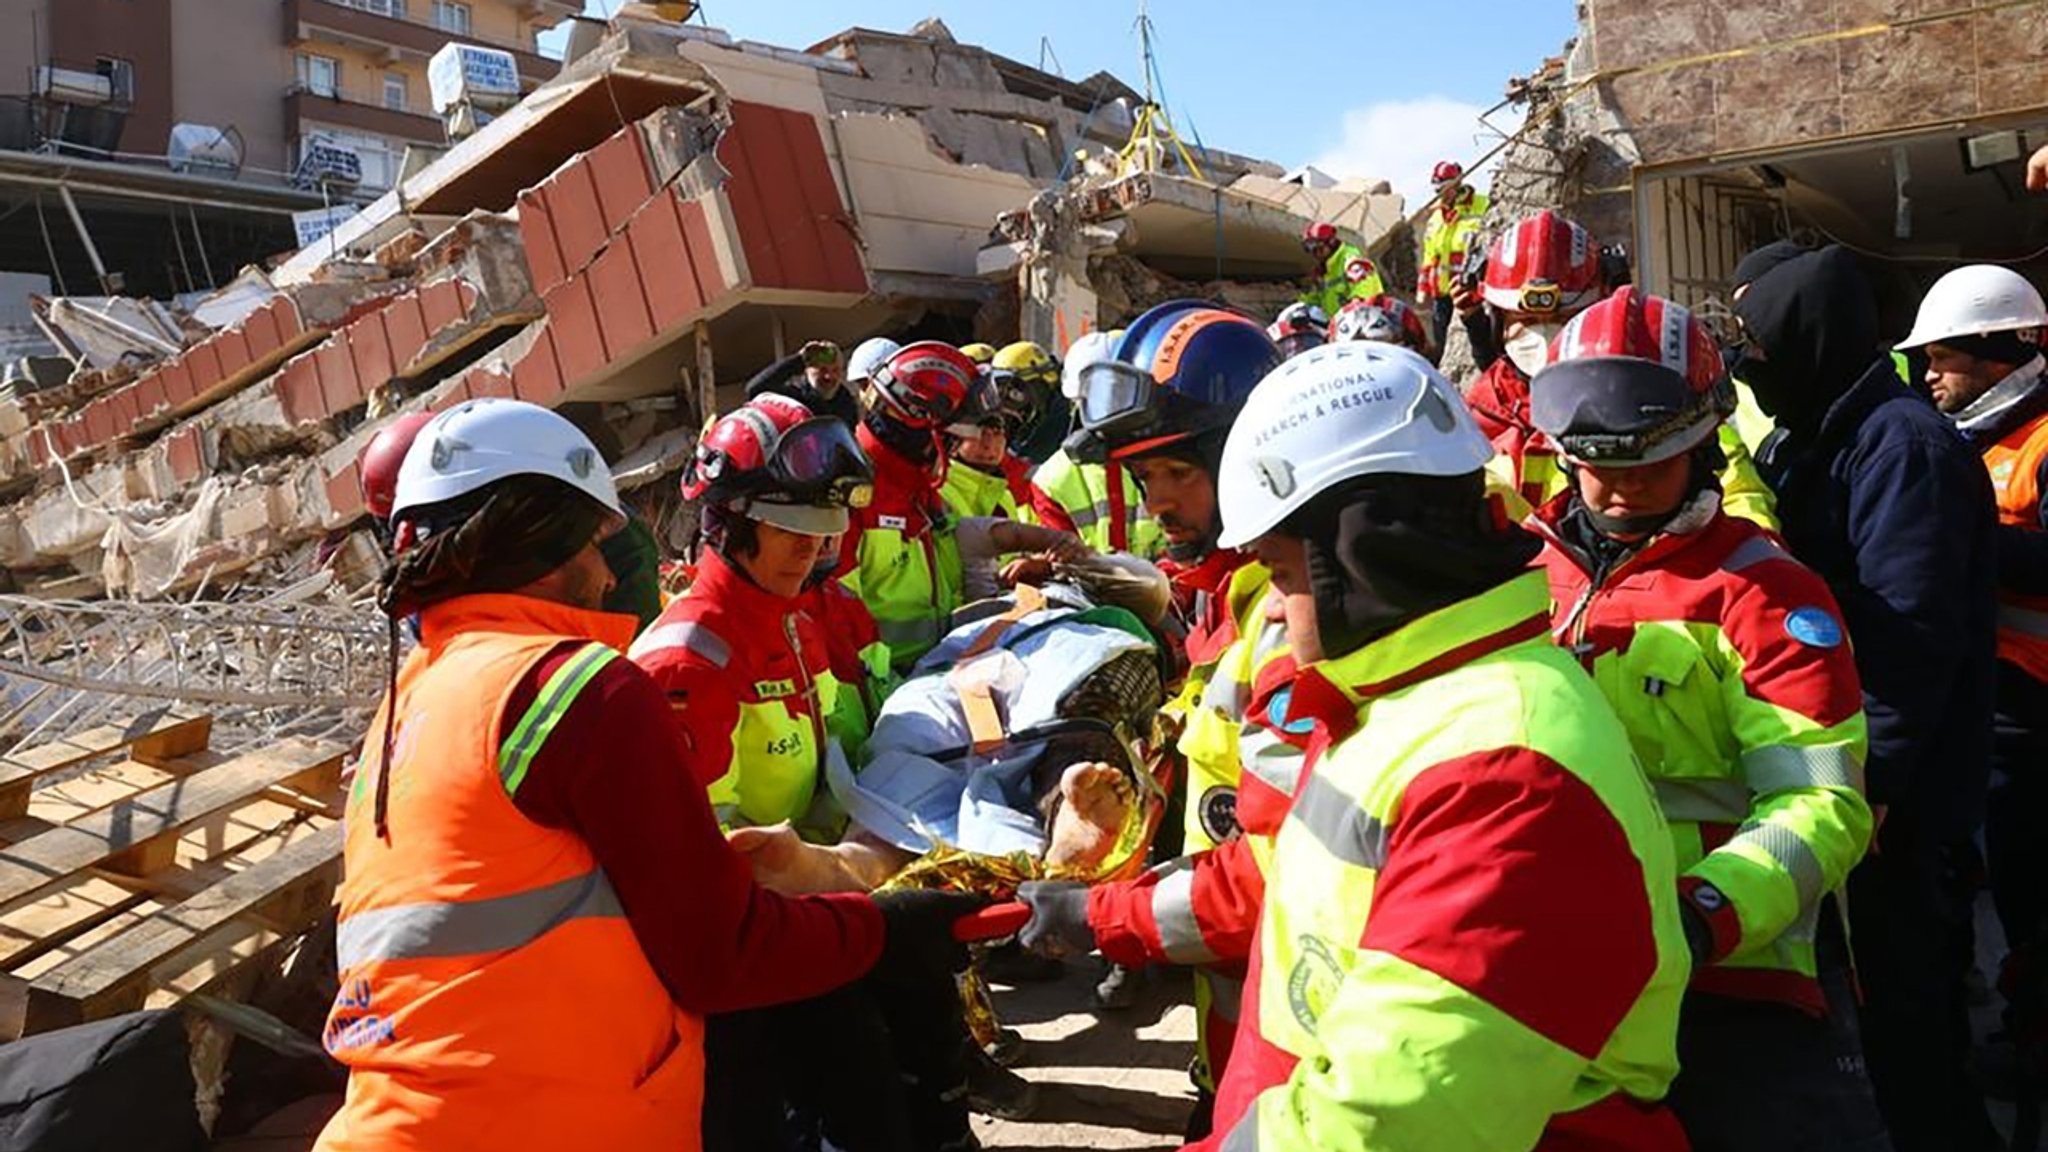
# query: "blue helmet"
1182,370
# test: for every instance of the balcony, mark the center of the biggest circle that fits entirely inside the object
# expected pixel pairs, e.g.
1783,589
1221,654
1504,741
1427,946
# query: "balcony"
325,20
301,105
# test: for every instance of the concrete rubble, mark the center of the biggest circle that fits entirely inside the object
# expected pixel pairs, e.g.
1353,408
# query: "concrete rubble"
668,214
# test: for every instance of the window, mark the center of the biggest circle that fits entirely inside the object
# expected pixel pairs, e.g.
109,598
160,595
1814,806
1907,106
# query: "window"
392,8
380,158
451,17
320,75
120,76
394,91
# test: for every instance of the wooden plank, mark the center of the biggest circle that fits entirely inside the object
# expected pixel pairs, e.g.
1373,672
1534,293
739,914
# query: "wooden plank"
140,834
157,736
66,922
114,977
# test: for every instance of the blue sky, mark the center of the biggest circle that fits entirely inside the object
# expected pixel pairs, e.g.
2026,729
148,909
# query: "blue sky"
1359,87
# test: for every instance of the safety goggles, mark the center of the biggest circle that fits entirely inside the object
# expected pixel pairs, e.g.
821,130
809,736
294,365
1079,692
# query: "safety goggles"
818,461
1020,395
1115,396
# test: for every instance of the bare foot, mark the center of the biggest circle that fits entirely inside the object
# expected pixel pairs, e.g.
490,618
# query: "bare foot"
1094,800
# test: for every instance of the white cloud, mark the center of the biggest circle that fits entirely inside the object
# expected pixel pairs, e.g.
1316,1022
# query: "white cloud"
1400,141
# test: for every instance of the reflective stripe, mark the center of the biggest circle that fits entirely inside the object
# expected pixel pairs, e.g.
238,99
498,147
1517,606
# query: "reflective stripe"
472,927
1776,767
1173,912
1793,854
688,635
1718,801
1754,550
516,754
2026,621
1226,996
1275,762
1344,829
1226,696
1090,516
1245,1136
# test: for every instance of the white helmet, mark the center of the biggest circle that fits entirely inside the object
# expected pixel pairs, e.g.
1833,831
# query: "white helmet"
1974,301
1334,413
872,353
1091,347
479,442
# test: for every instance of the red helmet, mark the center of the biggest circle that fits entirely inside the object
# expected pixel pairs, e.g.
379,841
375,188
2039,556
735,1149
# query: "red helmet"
1387,319
925,383
1543,265
771,460
378,467
1446,171
1633,380
1321,234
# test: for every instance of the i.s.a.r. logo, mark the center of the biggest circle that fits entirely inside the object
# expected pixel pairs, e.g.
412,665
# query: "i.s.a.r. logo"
1313,981
1217,810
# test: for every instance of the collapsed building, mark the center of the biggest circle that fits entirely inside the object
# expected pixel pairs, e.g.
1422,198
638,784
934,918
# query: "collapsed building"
1692,133
186,655
666,215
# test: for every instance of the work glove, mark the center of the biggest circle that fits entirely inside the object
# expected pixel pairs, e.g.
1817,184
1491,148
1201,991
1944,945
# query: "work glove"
918,942
1699,935
1059,918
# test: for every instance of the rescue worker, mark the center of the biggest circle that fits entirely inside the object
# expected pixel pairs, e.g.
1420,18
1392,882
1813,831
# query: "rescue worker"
1470,935
1170,433
1980,328
516,836
983,477
899,554
749,672
1299,327
1540,273
1726,660
1387,319
1343,271
1879,495
1097,502
1024,367
1450,243
814,375
377,471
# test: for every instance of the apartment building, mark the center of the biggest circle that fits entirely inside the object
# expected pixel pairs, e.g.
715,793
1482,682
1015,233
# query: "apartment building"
92,93
276,72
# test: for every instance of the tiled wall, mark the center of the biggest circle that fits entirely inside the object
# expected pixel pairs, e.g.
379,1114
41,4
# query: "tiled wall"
1798,71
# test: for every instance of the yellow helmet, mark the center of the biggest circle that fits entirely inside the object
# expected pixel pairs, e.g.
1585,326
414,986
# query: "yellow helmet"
1027,360
979,353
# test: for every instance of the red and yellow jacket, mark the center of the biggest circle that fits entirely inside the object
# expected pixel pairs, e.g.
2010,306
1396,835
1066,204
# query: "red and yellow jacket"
900,555
1470,936
1726,660
750,680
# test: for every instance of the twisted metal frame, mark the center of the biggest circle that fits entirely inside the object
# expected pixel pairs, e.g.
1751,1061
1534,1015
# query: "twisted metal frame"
265,669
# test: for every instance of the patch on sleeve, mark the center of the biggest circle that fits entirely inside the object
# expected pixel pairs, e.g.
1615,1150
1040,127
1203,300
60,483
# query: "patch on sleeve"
1358,270
1814,627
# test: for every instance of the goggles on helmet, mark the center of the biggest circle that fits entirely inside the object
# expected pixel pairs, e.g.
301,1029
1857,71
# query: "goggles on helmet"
1116,398
1540,297
815,462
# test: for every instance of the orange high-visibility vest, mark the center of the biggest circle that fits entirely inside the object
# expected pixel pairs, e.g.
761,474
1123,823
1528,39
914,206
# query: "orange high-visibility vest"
2015,464
492,993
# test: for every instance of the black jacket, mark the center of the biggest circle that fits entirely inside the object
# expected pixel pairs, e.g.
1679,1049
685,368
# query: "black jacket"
785,377
1879,494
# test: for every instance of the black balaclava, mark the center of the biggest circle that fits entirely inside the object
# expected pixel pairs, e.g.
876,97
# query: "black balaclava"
1754,265
1815,320
918,445
1384,550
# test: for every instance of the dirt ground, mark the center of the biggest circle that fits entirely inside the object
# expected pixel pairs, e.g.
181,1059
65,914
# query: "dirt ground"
1106,1079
